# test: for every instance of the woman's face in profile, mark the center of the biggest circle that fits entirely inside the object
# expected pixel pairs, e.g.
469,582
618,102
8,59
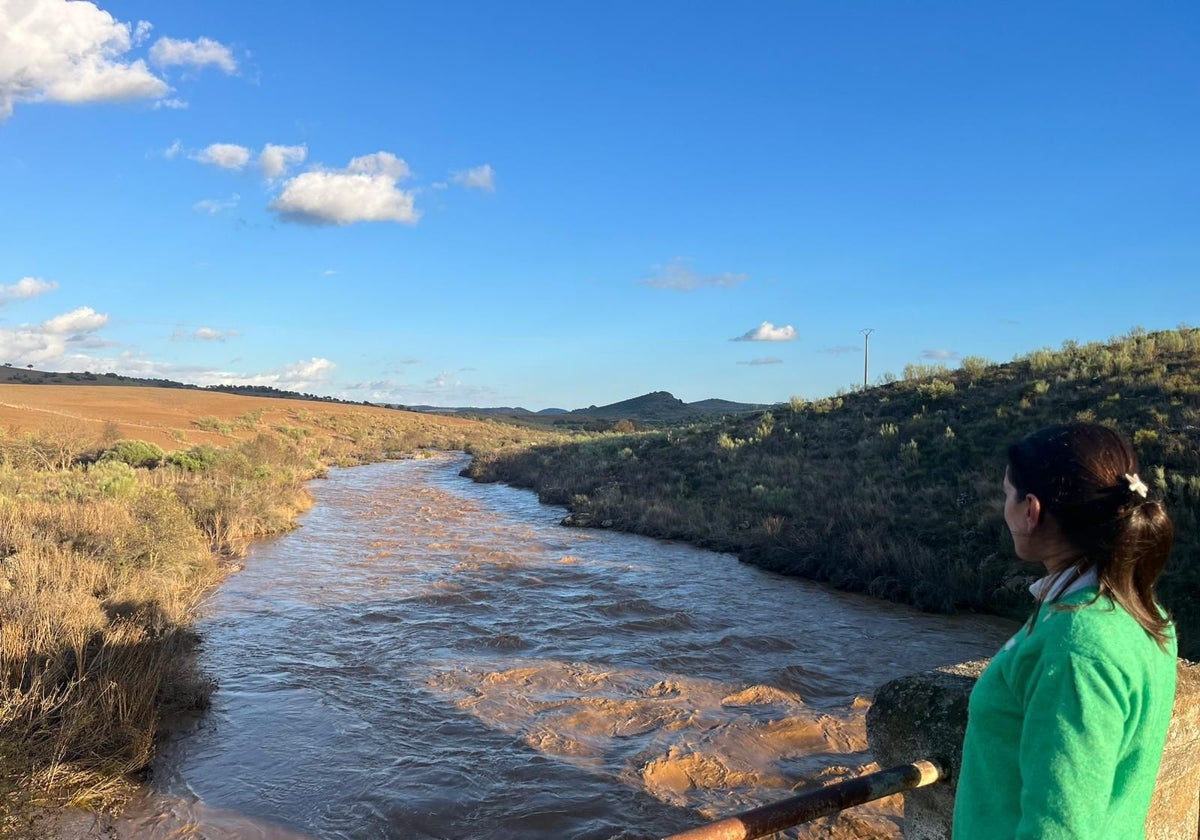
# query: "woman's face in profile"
1014,517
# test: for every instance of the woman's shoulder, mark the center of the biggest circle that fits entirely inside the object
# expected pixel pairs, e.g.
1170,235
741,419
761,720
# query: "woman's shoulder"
1086,623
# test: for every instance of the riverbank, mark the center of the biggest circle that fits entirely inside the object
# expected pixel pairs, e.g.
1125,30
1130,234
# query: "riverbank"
106,547
432,657
895,490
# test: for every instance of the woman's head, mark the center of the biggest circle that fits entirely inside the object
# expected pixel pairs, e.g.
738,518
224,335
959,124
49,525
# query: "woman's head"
1081,483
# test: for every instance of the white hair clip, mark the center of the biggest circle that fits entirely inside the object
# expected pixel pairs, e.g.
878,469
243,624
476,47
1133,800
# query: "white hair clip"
1136,485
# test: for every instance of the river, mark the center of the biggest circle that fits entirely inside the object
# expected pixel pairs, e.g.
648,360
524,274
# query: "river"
426,657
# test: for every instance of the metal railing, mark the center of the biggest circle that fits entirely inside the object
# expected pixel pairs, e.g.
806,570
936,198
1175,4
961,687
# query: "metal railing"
767,819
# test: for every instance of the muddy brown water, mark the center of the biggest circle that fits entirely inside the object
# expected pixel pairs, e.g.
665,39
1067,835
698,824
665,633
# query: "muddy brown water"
431,658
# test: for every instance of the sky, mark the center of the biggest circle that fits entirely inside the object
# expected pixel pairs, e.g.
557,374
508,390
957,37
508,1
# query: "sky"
563,204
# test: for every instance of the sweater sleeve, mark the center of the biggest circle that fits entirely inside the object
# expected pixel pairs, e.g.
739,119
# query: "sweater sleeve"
1076,713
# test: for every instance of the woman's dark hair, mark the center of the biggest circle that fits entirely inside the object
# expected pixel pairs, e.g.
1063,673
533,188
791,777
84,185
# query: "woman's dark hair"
1085,477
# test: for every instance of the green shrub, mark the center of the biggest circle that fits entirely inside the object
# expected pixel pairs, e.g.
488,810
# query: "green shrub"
113,478
135,453
936,389
197,459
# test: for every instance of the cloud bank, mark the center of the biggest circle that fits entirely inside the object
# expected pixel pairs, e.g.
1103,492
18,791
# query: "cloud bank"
204,334
766,331
27,288
50,340
679,276
213,206
274,161
477,178
75,53
203,52
224,155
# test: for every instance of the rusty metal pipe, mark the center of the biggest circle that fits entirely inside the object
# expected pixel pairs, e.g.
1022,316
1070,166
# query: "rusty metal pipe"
777,816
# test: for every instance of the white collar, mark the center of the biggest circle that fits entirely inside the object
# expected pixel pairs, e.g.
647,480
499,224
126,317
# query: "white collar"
1055,586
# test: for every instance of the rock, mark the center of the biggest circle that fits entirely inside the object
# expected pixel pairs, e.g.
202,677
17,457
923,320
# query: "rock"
925,716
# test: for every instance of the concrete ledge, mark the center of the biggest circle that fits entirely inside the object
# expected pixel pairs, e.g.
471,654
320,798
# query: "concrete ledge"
925,716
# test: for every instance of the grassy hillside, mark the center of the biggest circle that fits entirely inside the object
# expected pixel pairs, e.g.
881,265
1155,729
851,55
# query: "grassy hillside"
895,490
119,508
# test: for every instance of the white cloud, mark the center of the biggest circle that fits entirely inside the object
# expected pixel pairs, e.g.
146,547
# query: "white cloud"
679,275
443,390
173,150
26,288
300,376
76,322
365,191
766,360
380,163
766,331
173,104
841,349
476,178
55,51
329,272
274,161
224,155
49,341
940,355
204,334
170,52
212,206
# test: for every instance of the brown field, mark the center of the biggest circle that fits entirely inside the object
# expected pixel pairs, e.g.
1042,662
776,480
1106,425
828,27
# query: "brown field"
165,416
106,545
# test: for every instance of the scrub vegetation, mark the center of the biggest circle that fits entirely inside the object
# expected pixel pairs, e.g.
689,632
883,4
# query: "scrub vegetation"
895,490
108,543
120,507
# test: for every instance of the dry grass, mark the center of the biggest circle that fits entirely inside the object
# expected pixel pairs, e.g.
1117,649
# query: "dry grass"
101,564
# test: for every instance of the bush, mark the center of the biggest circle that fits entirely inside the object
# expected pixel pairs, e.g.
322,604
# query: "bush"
113,478
135,453
197,459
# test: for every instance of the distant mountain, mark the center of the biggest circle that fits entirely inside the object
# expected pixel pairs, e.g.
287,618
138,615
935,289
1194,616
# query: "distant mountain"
714,406
655,407
662,406
439,409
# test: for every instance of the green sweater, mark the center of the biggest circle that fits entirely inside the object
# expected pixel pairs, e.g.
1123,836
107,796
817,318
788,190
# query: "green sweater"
1066,729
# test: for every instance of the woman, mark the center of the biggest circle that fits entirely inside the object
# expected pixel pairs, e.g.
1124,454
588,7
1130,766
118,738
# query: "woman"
1067,723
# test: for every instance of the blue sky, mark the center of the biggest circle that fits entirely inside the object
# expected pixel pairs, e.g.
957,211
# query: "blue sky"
562,204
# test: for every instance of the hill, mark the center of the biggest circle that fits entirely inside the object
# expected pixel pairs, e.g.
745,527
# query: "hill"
76,417
28,376
655,408
894,490
663,407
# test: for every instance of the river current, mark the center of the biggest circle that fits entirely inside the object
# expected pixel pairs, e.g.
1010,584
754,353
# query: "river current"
426,657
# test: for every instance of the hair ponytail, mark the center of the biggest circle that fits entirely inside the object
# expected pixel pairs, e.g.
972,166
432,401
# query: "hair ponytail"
1086,477
1139,556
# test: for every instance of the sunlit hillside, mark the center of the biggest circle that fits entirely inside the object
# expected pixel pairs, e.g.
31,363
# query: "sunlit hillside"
895,490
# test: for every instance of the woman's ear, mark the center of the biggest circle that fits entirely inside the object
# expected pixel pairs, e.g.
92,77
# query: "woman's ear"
1031,513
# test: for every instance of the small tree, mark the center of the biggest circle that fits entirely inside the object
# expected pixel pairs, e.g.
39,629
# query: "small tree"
135,453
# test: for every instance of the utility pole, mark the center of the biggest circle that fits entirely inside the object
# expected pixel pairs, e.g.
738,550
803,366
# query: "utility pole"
866,354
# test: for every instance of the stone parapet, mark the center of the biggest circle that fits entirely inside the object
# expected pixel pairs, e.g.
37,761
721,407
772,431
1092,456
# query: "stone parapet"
925,716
